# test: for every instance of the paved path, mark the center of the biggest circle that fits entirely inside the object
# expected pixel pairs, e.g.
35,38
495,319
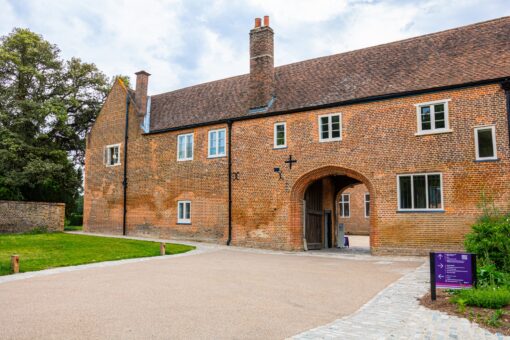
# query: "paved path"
219,292
396,314
229,292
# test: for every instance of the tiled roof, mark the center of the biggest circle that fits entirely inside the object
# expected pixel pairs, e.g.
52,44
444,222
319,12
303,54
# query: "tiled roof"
462,55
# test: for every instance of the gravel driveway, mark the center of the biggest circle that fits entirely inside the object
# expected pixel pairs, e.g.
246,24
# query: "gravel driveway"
219,293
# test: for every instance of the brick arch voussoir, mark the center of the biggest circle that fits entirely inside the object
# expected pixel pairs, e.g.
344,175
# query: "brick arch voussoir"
300,186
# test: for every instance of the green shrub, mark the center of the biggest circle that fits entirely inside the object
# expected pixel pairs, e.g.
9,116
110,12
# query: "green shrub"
490,240
75,219
489,276
483,297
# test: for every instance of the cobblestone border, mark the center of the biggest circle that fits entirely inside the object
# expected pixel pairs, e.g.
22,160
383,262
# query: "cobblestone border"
395,313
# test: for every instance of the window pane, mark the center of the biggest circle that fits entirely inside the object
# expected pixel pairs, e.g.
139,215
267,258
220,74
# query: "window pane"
181,212
485,145
367,208
324,128
420,198
425,118
221,142
434,182
439,116
112,157
188,210
212,143
335,126
405,192
189,146
347,209
280,135
181,147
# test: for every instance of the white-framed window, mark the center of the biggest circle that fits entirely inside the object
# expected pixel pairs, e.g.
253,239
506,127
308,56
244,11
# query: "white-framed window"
217,143
185,147
112,155
345,205
280,135
367,205
420,192
184,212
330,127
432,117
485,143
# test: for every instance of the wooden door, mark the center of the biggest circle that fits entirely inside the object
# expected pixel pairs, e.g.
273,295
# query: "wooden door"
313,231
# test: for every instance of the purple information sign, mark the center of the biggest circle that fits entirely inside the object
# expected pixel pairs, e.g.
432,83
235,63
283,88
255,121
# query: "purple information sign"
453,270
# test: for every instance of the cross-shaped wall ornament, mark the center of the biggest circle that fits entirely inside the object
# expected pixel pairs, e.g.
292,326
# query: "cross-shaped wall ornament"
290,161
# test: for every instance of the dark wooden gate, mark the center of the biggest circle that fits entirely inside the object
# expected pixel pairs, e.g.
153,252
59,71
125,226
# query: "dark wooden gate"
313,229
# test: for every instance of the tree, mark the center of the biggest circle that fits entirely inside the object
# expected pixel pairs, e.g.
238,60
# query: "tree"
47,106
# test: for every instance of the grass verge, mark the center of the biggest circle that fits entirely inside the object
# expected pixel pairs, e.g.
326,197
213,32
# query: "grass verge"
43,251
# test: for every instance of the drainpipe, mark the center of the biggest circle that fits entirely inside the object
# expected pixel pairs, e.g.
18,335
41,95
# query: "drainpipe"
124,181
505,85
229,240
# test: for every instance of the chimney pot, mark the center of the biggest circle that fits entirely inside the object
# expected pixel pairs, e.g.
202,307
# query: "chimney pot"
142,83
266,20
257,22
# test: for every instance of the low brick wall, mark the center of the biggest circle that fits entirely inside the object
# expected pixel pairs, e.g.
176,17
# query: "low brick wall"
20,216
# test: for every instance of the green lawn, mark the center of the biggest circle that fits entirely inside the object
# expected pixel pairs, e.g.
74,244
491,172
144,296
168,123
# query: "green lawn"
43,251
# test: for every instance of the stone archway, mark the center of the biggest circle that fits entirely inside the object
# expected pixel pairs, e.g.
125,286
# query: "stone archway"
298,214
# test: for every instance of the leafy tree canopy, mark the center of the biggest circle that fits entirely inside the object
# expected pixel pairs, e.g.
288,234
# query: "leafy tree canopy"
47,106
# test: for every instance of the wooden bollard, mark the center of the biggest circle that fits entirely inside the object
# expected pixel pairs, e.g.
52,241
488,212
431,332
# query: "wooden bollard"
162,249
14,264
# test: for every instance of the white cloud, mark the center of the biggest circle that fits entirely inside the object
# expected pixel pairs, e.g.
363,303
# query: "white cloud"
184,42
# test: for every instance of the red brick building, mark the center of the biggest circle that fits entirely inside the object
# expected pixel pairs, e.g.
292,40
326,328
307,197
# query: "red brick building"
259,159
353,209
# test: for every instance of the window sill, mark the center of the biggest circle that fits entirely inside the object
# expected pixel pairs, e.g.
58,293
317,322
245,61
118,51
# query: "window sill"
280,147
433,132
330,140
184,160
420,211
487,160
219,156
112,165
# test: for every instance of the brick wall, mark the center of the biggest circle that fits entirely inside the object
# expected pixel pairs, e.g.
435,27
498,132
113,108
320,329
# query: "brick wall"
379,142
20,216
356,223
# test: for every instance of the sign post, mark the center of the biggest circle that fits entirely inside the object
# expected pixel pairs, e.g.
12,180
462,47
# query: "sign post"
452,271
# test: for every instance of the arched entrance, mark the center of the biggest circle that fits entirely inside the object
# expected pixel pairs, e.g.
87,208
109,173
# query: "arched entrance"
314,205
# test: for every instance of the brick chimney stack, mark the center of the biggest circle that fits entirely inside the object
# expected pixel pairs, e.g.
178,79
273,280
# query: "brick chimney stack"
262,80
142,83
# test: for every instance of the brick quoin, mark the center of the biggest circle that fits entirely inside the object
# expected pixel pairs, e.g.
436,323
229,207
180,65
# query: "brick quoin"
378,143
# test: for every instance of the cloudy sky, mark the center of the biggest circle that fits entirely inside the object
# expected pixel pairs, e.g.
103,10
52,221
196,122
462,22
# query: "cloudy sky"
185,42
